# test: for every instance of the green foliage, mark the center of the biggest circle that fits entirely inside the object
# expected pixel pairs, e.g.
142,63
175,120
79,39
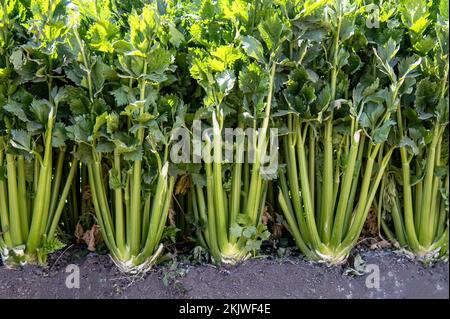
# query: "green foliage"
90,92
33,119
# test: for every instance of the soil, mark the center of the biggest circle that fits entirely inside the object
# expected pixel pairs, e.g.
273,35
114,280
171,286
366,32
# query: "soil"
289,277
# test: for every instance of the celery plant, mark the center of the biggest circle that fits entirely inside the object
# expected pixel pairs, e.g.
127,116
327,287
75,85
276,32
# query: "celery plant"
417,187
334,149
32,146
228,206
125,144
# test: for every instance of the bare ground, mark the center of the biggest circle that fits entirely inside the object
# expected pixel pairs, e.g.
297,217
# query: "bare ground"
258,278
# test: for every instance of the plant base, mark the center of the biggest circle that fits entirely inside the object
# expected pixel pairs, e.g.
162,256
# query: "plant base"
133,266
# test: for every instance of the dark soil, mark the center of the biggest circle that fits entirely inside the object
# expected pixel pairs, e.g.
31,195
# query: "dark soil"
258,278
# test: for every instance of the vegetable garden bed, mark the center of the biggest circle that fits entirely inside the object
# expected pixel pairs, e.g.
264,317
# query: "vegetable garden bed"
224,126
259,278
